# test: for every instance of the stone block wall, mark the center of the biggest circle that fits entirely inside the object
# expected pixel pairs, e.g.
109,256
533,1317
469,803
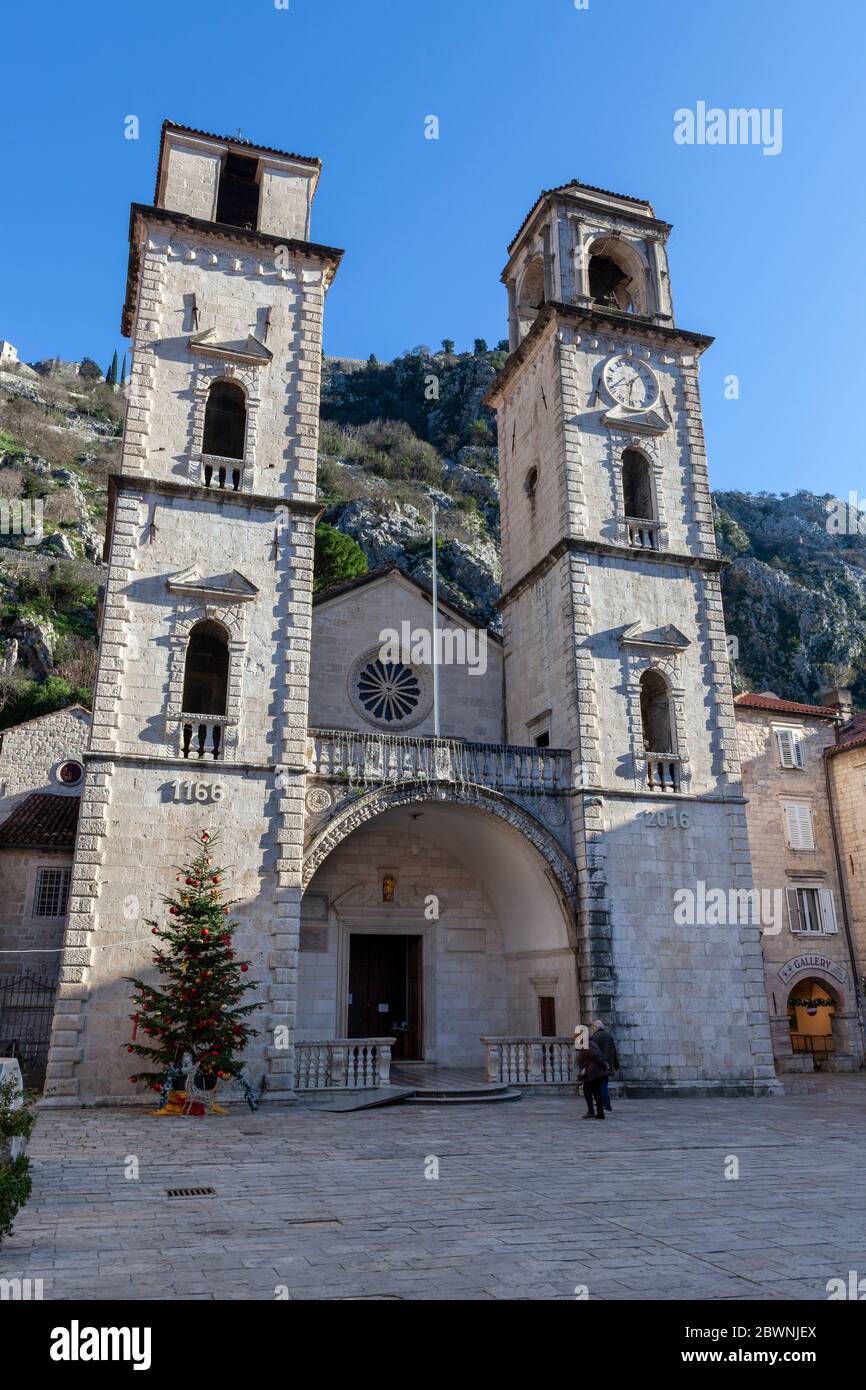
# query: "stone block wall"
349,626
31,753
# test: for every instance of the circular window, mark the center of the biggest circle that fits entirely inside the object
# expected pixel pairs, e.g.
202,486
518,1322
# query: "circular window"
390,694
388,690
70,773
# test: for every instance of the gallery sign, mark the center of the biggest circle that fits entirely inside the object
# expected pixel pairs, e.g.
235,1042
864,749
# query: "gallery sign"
811,962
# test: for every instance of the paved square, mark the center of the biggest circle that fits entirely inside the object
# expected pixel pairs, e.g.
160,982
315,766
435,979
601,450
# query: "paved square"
530,1202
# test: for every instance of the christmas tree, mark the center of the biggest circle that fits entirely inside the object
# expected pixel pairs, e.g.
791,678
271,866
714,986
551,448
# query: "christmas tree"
195,1013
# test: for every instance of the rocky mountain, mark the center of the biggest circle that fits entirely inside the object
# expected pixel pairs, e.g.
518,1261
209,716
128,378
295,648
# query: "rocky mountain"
396,439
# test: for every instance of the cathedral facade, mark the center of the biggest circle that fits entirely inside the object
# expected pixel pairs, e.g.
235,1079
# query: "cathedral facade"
456,895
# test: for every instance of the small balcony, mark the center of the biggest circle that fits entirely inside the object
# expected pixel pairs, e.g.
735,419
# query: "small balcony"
664,771
226,474
642,534
203,736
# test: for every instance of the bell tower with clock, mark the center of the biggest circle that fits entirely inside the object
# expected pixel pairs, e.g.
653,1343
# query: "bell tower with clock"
615,645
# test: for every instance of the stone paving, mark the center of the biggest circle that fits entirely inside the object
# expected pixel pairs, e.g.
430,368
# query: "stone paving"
530,1201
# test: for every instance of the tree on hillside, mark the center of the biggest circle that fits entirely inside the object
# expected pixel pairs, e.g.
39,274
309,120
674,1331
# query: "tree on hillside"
90,370
111,374
337,557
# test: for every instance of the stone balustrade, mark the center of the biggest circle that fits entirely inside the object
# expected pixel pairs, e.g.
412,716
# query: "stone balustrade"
389,760
531,1061
343,1063
203,735
664,771
219,472
642,534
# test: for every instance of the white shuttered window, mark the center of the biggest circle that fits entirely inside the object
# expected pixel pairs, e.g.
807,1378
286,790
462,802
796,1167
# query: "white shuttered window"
791,748
799,830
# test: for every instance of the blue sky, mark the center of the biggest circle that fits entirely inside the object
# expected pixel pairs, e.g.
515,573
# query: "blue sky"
767,252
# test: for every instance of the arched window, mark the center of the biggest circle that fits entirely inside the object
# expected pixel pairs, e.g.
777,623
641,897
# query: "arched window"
637,492
206,671
225,429
530,294
655,713
617,279
532,285
205,689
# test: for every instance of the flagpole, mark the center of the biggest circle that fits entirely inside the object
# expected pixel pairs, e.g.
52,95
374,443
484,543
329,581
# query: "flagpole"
435,630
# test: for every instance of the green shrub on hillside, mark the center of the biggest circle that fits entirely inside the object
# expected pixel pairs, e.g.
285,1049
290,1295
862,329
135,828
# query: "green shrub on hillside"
337,557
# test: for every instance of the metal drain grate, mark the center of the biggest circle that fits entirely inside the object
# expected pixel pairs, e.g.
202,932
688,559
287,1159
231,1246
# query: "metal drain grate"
191,1191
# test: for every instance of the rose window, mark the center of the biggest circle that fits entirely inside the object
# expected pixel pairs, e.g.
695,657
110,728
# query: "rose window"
388,690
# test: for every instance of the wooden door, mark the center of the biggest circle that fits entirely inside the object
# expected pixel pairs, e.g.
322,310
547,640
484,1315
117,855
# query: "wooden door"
385,991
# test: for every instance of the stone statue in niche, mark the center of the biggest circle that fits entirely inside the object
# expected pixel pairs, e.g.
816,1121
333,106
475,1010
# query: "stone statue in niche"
389,884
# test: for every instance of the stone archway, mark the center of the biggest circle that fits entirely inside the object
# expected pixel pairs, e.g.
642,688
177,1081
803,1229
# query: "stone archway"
351,815
482,893
827,1039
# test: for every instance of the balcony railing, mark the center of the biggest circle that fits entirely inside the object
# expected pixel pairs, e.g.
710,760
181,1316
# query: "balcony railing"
664,771
531,1061
343,1063
203,735
642,534
390,760
219,472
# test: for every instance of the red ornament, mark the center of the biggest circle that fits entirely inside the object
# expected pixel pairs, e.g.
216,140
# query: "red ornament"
173,911
129,1049
189,881
217,879
133,1080
154,931
205,932
205,836
245,968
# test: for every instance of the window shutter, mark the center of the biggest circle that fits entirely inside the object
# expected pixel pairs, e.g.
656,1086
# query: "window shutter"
828,910
799,751
798,824
785,742
795,916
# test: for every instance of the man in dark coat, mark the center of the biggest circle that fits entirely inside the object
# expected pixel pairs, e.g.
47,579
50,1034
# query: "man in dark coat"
607,1047
594,1069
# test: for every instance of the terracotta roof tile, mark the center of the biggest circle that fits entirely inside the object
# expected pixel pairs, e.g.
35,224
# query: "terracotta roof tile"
585,187
749,700
44,819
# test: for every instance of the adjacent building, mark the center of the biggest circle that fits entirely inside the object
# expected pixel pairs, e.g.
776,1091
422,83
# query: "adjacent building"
802,834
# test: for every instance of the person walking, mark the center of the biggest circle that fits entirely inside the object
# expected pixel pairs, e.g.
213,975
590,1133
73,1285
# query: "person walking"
607,1047
594,1068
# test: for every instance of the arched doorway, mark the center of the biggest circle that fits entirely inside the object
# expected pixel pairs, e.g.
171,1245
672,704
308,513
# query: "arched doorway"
812,1006
439,923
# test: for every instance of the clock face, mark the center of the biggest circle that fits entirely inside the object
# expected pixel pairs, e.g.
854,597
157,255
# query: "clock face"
631,383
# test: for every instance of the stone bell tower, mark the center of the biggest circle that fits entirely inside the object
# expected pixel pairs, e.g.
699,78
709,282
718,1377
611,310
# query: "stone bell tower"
615,644
200,710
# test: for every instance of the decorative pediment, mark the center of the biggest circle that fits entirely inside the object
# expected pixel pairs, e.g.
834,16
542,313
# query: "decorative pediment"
653,421
247,349
232,587
667,638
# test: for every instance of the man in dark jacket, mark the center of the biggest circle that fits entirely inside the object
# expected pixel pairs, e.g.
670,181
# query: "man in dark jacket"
594,1069
607,1047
